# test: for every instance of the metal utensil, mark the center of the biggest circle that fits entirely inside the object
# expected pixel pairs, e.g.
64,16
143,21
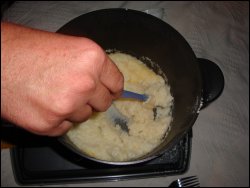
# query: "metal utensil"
191,181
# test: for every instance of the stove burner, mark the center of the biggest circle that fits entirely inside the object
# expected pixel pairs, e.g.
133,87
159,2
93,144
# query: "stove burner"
52,163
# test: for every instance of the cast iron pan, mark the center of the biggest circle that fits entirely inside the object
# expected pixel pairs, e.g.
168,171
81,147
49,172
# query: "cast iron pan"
194,82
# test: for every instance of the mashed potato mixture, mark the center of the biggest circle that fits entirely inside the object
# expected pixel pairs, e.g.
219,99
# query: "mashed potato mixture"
148,121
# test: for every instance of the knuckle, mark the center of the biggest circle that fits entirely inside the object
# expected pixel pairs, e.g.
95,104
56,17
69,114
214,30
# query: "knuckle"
105,107
84,84
87,115
118,84
63,106
41,129
101,103
67,101
106,103
94,52
88,84
61,129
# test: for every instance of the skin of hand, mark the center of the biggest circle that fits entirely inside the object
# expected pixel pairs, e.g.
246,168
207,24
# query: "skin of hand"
50,81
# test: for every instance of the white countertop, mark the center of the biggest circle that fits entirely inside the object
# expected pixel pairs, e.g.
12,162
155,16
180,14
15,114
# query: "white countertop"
218,31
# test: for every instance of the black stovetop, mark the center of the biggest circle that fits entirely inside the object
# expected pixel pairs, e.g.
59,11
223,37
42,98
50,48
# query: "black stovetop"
51,163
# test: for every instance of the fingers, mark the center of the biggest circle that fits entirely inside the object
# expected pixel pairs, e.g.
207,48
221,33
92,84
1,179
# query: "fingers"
81,114
60,129
112,78
102,99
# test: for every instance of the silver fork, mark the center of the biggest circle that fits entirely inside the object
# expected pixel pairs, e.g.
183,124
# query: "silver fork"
191,181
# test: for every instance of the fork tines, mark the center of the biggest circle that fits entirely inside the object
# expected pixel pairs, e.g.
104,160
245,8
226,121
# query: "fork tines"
189,181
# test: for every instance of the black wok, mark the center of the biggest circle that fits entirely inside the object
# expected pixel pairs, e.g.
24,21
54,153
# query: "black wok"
194,82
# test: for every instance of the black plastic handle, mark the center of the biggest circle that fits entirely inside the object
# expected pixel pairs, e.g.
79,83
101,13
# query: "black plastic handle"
213,81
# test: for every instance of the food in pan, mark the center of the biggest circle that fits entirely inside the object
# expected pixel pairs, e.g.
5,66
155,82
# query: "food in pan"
148,122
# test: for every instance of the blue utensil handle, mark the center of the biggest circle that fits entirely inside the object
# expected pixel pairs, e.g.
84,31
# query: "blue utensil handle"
133,95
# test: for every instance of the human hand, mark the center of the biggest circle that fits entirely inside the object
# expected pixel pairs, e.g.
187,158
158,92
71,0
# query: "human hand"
50,81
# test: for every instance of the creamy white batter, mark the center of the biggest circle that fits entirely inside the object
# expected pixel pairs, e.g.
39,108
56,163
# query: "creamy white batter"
101,139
